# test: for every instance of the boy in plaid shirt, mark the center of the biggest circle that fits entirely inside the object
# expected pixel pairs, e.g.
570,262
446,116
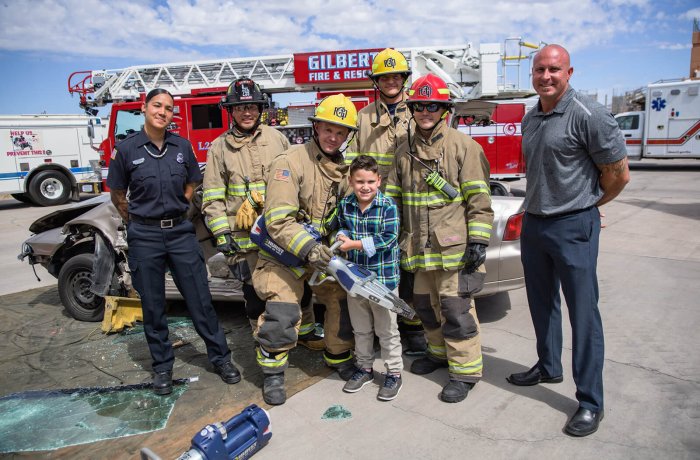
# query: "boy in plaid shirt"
369,230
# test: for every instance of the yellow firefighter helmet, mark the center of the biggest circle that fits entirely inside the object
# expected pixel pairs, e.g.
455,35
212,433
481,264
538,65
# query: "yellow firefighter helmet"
337,109
389,61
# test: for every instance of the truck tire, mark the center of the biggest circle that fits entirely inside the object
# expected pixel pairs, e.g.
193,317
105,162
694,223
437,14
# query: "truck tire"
49,188
74,281
22,197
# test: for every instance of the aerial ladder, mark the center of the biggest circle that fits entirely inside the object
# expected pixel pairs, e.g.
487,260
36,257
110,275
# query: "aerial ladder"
469,73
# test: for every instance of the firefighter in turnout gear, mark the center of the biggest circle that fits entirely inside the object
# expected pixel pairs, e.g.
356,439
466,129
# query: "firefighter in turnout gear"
305,185
441,184
237,170
381,127
383,124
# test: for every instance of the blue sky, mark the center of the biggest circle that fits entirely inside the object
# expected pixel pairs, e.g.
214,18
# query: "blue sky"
615,45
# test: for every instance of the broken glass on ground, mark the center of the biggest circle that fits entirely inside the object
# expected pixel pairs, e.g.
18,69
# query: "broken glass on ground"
336,412
48,420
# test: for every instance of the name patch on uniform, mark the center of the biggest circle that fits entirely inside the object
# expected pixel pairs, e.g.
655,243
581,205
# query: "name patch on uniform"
138,161
180,158
114,154
282,174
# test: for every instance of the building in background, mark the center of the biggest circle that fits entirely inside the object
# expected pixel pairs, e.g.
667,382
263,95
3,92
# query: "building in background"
695,51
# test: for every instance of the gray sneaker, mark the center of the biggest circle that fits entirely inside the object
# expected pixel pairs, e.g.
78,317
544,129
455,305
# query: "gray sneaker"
359,379
390,389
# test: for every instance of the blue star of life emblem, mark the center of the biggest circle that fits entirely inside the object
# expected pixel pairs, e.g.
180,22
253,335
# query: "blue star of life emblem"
658,104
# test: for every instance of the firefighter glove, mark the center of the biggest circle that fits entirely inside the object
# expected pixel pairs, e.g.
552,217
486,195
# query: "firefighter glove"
257,198
245,216
476,255
319,257
226,245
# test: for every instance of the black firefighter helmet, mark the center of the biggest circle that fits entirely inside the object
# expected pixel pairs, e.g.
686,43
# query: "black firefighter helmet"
245,91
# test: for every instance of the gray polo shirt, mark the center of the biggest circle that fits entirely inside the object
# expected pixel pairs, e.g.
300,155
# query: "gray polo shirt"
561,150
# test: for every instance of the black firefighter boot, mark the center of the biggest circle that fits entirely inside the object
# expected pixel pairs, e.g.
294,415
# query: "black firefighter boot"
416,345
455,391
273,389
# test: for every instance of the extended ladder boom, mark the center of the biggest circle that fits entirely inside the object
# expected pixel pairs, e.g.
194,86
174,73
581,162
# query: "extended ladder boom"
469,74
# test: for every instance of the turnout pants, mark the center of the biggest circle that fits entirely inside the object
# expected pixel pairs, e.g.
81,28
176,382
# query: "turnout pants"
408,326
338,336
151,249
563,252
242,267
278,327
450,323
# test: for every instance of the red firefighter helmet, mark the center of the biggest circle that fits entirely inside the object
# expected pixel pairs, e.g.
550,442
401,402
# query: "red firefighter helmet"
429,88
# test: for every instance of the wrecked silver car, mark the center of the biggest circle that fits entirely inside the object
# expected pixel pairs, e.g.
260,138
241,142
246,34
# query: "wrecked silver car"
84,247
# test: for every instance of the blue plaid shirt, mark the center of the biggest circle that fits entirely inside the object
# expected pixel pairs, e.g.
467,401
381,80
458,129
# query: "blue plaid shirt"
378,229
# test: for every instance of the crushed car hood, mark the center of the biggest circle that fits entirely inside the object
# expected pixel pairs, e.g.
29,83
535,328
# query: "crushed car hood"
61,217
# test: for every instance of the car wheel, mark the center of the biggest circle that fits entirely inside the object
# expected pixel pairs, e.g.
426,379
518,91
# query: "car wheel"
74,282
49,188
23,197
498,189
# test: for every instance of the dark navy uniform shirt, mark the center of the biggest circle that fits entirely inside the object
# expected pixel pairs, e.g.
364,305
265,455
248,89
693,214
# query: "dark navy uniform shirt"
157,185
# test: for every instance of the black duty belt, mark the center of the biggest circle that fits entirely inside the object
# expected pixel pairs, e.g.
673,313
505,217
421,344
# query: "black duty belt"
165,222
562,214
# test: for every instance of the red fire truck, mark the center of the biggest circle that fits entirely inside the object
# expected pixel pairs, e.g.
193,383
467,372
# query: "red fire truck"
198,86
496,126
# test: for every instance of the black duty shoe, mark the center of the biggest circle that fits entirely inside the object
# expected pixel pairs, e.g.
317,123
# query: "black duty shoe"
273,389
584,422
163,383
455,391
425,365
532,377
228,373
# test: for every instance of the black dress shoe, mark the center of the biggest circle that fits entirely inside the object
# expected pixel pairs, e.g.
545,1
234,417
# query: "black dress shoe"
532,377
584,422
163,383
228,372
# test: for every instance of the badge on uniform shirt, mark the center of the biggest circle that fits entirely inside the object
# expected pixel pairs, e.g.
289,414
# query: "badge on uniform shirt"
114,154
138,161
282,174
180,158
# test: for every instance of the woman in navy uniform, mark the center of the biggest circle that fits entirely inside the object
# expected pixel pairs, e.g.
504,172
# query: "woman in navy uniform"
160,170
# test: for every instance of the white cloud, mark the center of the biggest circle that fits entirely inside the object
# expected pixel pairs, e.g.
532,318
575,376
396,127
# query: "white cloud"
177,30
691,14
673,46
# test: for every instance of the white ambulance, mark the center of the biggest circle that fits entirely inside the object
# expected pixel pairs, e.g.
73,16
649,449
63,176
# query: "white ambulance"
669,127
49,159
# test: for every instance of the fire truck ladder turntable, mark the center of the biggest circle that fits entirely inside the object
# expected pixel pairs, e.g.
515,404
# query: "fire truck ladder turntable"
470,74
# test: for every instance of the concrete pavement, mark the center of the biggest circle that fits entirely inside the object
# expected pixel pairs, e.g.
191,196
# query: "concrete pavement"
649,270
15,219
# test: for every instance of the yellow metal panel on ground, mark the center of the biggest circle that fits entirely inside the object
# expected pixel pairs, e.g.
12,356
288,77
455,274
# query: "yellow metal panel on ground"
121,312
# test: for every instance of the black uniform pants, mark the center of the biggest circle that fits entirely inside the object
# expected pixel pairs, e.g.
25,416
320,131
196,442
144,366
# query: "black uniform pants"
556,252
151,249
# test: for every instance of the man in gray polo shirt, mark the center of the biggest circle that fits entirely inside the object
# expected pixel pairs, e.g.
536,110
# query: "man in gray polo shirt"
576,161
